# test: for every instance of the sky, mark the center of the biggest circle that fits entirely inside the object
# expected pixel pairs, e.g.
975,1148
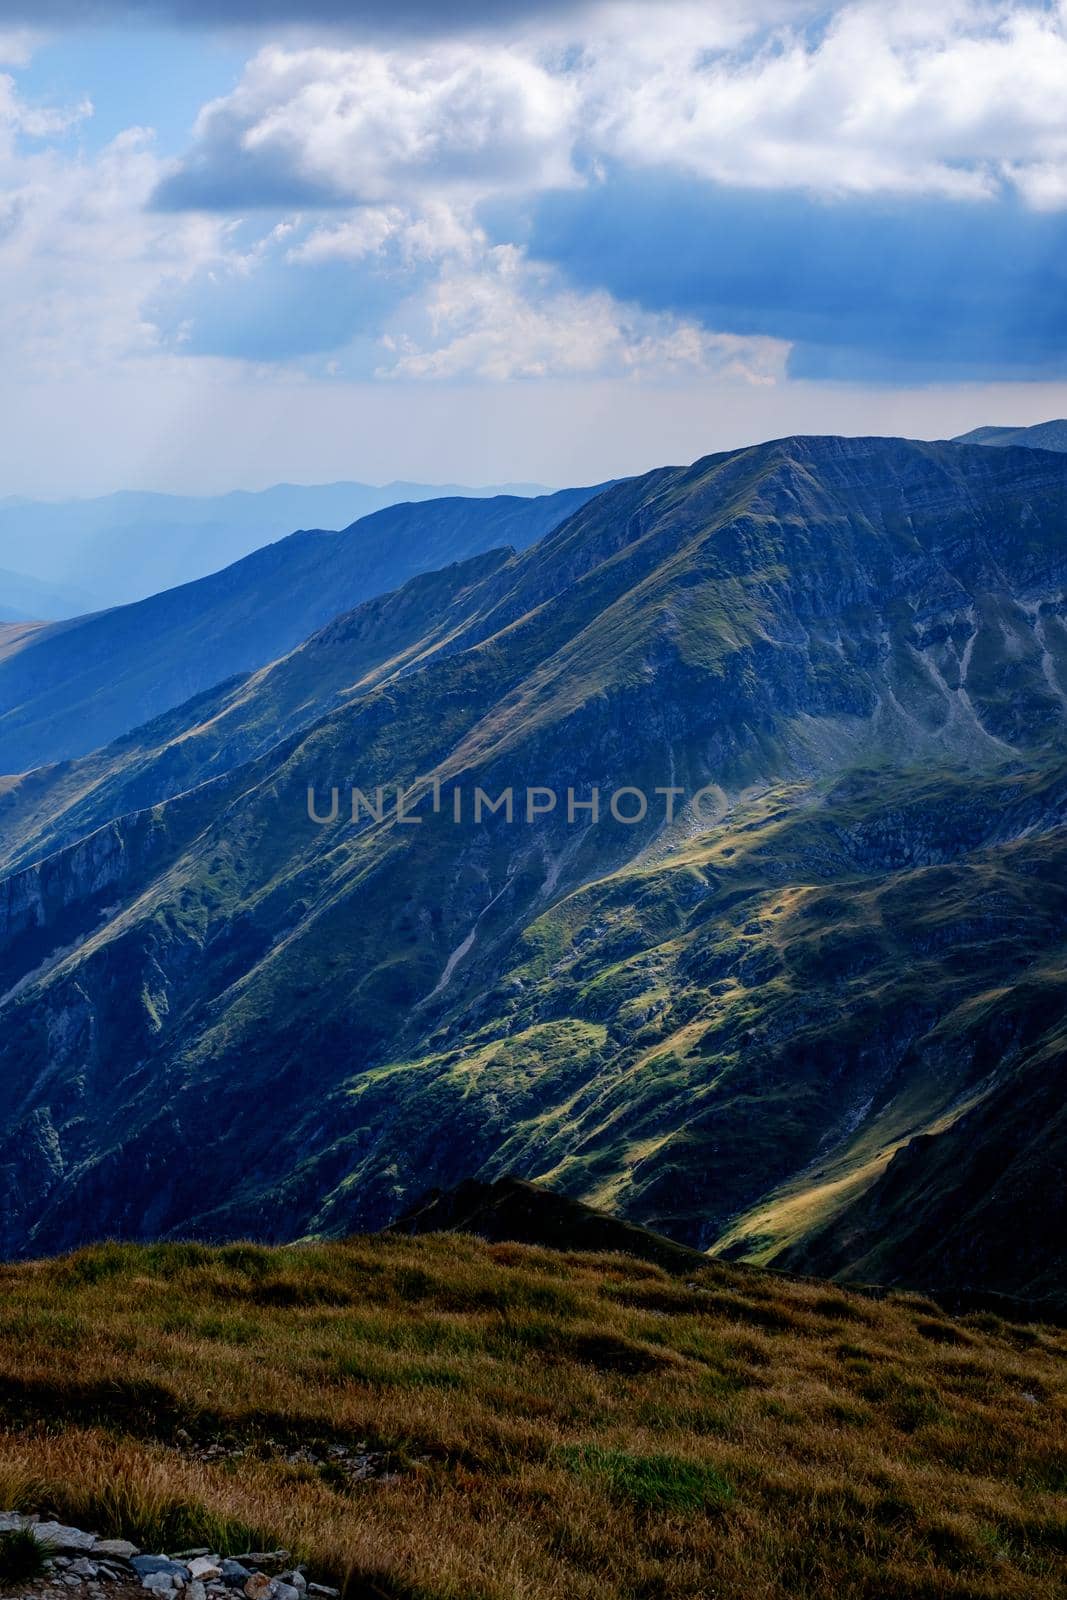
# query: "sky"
244,241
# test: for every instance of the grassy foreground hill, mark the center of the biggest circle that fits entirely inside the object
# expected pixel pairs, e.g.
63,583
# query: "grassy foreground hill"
447,1419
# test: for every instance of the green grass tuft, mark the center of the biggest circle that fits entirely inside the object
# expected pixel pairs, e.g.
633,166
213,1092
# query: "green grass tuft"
23,1558
654,1482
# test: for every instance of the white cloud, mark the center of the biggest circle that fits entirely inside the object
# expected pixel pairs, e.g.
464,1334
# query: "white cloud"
364,124
80,254
17,116
16,46
503,317
435,231
885,96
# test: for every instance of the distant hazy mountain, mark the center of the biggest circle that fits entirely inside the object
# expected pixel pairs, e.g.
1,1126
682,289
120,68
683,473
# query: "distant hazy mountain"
25,599
122,547
71,686
822,1024
1041,436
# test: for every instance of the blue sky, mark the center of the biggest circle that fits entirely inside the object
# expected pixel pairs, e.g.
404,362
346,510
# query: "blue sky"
242,242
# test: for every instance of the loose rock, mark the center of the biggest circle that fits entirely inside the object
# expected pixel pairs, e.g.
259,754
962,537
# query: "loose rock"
235,1572
122,1548
147,1566
204,1566
62,1538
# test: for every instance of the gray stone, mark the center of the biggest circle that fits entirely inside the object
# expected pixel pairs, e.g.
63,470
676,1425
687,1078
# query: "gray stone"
285,1591
191,1555
122,1549
158,1582
62,1538
11,1521
324,1591
235,1572
146,1566
83,1568
204,1567
194,1590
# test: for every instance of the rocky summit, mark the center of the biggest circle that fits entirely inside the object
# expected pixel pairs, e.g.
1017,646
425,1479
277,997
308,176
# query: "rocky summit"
810,1015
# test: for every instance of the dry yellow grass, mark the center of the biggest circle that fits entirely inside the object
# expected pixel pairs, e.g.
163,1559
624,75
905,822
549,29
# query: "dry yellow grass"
560,1426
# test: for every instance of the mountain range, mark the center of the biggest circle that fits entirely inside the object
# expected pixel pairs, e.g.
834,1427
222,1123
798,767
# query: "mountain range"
123,547
814,1020
25,599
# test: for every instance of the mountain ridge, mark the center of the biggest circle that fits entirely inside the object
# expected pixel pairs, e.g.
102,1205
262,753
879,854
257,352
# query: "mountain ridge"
129,545
132,663
1050,435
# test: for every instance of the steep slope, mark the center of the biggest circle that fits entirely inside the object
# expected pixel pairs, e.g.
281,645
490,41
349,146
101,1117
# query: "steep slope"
724,1027
1040,436
80,684
124,547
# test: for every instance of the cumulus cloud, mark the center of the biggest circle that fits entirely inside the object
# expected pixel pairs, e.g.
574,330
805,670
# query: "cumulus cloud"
884,98
437,231
503,317
331,127
18,116
80,253
871,97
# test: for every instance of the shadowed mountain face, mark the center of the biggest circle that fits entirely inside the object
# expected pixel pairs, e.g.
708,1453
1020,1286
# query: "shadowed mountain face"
733,1027
66,689
510,1210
